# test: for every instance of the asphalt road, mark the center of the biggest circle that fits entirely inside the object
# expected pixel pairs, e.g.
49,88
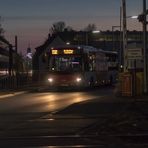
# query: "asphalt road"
31,119
45,118
48,101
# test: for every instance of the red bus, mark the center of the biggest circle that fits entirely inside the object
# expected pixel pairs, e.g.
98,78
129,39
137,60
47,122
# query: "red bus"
77,66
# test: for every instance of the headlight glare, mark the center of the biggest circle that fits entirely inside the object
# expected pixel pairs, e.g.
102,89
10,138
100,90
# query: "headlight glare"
78,79
50,80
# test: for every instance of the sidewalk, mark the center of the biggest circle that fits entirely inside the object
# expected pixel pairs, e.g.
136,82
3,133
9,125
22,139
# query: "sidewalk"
107,105
21,90
11,93
121,119
29,86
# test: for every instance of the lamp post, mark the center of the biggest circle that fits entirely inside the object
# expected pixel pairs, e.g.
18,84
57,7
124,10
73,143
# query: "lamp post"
113,27
124,35
143,20
113,45
96,31
144,23
86,35
10,60
86,38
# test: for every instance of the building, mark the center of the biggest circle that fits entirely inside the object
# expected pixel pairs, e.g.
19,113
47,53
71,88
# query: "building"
105,40
4,56
40,60
28,60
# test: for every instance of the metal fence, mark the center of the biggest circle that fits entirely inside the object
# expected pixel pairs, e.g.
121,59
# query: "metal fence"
15,82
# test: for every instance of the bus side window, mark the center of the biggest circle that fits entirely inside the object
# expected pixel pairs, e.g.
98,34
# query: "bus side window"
86,66
86,62
92,62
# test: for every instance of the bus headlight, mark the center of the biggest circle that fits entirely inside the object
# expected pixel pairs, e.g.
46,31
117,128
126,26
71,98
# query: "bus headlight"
50,80
78,79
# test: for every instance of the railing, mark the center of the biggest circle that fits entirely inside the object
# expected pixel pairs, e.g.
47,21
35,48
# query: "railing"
15,82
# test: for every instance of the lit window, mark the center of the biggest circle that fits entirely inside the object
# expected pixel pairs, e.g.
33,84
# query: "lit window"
54,51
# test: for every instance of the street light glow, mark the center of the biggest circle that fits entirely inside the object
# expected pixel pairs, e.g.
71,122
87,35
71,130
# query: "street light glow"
134,17
67,43
96,31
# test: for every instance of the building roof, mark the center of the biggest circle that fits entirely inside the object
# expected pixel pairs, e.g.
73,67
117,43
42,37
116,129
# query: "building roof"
4,40
51,41
4,51
3,46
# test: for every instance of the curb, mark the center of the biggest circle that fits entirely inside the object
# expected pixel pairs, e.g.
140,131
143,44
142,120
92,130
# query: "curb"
12,94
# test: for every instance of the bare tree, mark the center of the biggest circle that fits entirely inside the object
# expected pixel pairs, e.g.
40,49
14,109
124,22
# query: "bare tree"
69,28
90,27
58,27
19,63
1,29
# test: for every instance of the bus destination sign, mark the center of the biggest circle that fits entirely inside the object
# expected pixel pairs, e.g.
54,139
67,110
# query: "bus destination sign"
64,51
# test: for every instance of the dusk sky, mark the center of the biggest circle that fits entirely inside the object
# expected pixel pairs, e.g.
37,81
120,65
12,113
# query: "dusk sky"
31,20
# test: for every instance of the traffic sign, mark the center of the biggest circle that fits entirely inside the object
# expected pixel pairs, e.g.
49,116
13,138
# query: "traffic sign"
134,54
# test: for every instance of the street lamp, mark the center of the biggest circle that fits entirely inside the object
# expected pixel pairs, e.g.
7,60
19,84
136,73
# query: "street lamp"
142,18
67,43
145,46
124,34
134,17
113,27
86,35
96,31
113,45
113,41
124,23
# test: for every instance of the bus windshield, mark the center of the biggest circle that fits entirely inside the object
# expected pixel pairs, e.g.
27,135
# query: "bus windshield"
66,63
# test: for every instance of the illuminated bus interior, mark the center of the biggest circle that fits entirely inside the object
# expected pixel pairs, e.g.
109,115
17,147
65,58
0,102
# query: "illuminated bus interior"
66,63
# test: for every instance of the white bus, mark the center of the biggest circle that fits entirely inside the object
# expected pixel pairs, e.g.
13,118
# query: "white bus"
113,65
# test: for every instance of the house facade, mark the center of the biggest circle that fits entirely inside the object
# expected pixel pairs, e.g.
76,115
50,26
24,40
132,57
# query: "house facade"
4,56
40,58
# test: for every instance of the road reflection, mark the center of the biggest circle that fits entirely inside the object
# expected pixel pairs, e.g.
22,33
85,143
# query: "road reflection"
47,101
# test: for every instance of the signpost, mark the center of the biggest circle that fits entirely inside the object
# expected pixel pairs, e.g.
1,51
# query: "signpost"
143,19
134,54
124,35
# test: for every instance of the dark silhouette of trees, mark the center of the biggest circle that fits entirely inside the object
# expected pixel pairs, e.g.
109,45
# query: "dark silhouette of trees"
1,28
90,27
60,27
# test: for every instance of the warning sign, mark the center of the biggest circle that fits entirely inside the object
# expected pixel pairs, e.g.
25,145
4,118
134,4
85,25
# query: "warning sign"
134,54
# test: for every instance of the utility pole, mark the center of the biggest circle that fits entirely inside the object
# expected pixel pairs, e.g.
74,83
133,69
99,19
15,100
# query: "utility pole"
145,45
143,20
11,56
10,60
113,41
124,35
86,38
16,43
121,47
